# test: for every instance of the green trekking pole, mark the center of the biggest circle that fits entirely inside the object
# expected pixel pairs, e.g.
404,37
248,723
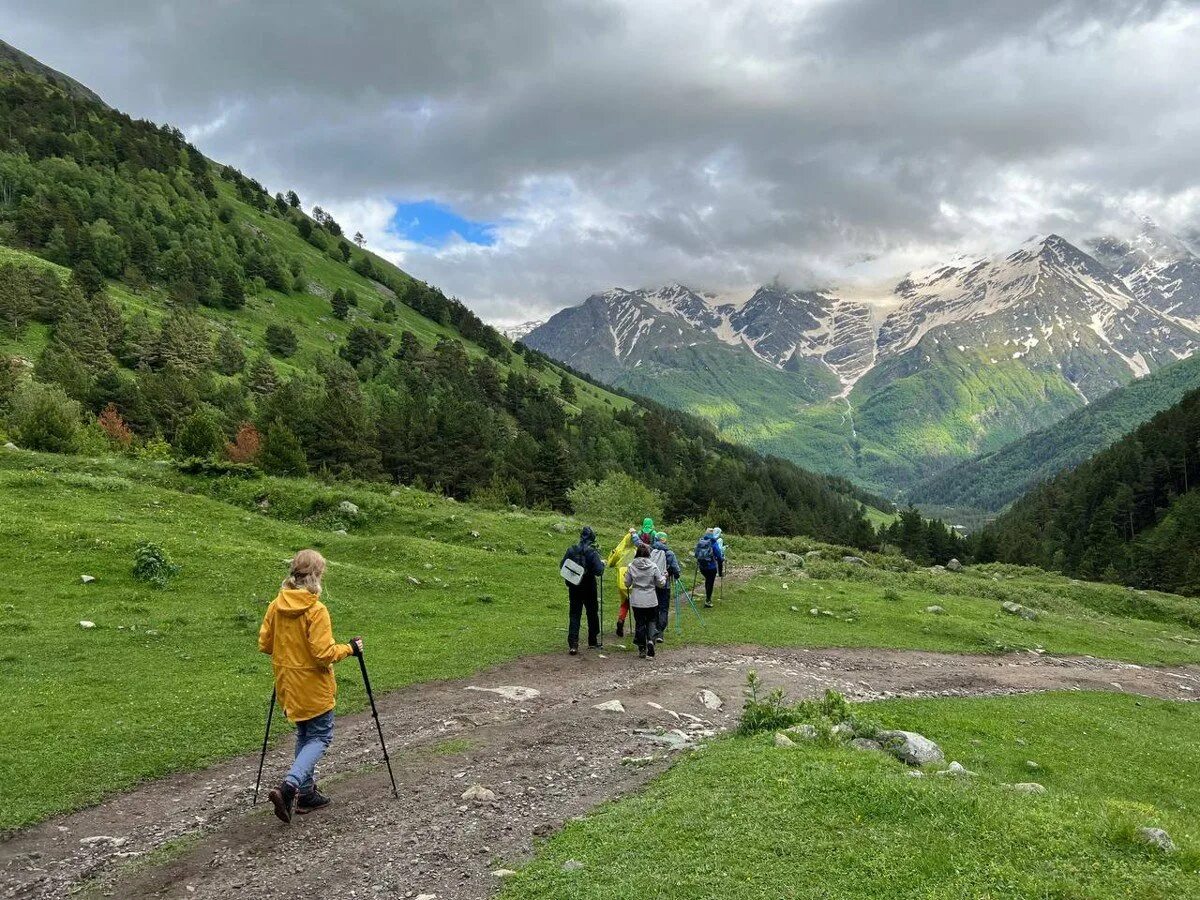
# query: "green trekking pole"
266,737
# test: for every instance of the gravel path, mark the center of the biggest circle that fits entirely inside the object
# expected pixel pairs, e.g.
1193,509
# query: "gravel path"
544,749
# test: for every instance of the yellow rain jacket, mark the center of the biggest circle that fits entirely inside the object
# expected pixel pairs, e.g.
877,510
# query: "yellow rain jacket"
620,558
296,631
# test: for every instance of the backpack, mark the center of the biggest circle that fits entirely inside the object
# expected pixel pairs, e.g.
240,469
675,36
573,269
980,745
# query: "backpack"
659,558
704,554
573,568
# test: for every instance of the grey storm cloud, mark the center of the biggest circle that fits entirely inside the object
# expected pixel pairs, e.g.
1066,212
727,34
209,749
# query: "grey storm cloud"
632,142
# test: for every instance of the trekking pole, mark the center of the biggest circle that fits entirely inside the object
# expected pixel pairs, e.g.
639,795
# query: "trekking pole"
600,637
692,604
362,664
263,757
678,618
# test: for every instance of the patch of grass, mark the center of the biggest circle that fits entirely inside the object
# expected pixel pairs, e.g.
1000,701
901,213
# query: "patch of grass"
452,747
743,819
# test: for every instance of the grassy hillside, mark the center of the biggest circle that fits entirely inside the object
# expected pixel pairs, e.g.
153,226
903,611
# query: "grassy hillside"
457,587
995,479
821,820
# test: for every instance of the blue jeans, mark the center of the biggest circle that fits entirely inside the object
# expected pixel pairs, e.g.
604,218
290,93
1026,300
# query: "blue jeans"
313,737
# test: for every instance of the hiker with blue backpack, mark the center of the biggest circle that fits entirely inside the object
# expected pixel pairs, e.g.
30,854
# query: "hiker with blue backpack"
580,568
710,561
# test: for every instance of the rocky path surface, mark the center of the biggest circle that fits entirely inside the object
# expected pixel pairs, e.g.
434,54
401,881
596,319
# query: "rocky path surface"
541,734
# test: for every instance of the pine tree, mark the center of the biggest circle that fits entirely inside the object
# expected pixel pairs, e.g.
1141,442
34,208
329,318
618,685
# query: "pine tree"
200,438
281,453
566,389
228,355
281,340
261,379
340,304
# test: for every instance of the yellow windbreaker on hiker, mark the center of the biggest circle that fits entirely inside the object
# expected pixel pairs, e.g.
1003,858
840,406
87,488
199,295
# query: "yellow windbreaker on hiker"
620,558
296,631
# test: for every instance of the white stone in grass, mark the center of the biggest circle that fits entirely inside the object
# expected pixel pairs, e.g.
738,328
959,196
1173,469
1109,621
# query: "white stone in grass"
1028,787
9,445
347,508
710,699
560,527
954,566
854,560
910,747
610,706
935,610
1156,838
504,873
474,534
86,579
783,741
1016,609
479,794
955,770
572,865
84,623
805,731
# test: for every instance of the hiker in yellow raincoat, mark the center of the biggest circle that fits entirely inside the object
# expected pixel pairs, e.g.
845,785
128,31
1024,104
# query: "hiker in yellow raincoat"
620,558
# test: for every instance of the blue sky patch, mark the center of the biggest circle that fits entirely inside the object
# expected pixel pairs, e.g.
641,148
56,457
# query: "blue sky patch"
431,223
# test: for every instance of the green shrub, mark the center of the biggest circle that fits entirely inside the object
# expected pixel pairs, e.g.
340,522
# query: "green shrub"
200,437
617,498
151,564
44,418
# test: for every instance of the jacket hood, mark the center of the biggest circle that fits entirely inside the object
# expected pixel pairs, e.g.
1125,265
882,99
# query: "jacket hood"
587,536
641,562
294,601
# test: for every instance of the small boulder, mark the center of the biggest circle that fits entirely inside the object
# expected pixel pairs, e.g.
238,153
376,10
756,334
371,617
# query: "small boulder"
782,740
710,699
85,624
935,610
413,580
813,554
937,570
1028,787
1031,765
560,527
842,731
610,706
479,794
347,508
791,557
1016,609
9,445
805,731
910,747
954,566
955,770
474,534
572,865
504,873
854,560
1156,838
86,579
865,744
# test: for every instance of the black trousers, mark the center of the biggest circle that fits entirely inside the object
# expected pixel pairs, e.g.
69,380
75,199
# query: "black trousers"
646,621
664,608
583,597
710,578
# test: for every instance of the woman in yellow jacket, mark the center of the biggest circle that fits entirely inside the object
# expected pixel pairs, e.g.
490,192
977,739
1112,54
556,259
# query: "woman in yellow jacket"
620,559
298,634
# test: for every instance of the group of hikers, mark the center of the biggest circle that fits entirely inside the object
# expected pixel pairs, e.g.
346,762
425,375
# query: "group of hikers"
648,574
297,634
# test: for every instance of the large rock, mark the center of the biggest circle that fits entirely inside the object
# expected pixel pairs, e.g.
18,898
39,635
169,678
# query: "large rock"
805,731
347,508
854,560
479,794
910,747
1016,609
954,565
710,699
1156,838
9,445
610,706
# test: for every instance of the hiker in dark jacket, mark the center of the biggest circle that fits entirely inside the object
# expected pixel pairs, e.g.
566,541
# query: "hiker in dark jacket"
583,595
668,564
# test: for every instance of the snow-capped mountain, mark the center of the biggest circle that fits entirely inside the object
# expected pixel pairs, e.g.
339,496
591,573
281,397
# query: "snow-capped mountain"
951,361
516,332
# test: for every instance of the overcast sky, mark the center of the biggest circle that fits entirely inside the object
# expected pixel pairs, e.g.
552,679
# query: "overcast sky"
522,155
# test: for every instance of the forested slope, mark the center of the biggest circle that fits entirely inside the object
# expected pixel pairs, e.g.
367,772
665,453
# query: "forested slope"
1130,514
155,303
994,480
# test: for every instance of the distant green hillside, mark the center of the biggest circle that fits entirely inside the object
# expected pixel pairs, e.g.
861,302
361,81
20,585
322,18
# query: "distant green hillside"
1130,514
994,480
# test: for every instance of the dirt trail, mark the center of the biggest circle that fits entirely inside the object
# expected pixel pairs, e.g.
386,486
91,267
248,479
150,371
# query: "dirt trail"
548,757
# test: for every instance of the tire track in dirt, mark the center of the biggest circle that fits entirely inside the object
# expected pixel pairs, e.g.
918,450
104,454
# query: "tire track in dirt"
548,758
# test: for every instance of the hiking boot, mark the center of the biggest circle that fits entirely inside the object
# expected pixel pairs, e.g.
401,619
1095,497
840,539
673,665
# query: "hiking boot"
620,628
641,652
282,799
311,801
708,604
572,650
659,639
650,650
